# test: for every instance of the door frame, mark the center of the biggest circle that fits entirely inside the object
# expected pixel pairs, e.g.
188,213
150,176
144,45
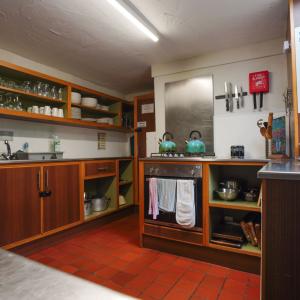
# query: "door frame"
136,100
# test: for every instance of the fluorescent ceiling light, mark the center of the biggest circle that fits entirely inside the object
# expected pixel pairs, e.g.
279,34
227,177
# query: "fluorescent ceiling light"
135,18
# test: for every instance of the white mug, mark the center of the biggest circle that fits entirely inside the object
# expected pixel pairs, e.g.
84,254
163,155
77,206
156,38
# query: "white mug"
35,109
60,113
29,109
47,110
55,112
41,110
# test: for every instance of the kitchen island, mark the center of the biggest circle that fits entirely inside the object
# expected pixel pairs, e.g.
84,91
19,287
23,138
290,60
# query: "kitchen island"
24,279
281,230
198,242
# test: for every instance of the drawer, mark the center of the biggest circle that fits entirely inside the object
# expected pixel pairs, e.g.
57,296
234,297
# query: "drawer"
100,168
175,234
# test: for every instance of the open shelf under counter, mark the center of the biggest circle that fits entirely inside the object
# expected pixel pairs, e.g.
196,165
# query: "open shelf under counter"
125,205
32,96
247,249
125,182
101,175
236,204
98,214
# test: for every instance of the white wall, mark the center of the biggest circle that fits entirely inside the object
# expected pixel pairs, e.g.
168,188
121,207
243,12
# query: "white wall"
233,66
76,142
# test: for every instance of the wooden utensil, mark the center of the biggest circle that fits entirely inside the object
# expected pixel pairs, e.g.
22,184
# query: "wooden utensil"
269,129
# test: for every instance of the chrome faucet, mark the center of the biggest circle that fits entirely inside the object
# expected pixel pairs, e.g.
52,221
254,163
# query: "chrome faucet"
7,155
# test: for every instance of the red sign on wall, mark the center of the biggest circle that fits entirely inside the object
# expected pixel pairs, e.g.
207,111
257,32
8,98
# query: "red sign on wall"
259,82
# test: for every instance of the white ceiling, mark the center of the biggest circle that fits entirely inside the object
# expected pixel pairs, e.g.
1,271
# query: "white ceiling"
89,39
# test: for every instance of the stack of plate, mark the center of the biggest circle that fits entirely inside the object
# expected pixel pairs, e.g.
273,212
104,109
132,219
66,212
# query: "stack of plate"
89,119
76,113
75,98
103,107
106,121
88,101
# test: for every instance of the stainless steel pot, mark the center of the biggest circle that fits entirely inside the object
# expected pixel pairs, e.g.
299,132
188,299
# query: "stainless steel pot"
100,204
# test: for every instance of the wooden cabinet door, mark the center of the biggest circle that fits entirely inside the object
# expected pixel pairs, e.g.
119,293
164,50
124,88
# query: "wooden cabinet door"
20,204
62,207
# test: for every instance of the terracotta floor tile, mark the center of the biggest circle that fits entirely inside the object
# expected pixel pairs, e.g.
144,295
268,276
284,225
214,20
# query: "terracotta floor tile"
68,269
235,286
211,281
219,271
239,276
206,293
185,285
156,291
176,294
225,295
110,256
194,276
106,272
122,278
252,293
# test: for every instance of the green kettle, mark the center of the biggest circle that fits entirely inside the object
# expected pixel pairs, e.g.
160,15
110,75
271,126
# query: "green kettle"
166,144
194,145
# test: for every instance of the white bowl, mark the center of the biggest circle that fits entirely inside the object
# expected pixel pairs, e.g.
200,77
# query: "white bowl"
75,98
88,101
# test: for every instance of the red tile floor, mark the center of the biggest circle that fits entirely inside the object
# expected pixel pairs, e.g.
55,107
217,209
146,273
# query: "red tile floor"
110,256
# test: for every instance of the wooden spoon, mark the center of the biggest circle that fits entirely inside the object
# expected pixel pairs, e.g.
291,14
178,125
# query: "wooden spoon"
269,129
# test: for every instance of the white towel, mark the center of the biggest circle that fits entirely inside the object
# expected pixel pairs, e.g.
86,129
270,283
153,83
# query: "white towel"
185,205
166,190
153,199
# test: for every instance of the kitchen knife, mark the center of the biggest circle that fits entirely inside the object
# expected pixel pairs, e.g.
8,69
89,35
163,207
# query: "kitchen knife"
261,97
236,95
242,97
226,97
230,97
254,101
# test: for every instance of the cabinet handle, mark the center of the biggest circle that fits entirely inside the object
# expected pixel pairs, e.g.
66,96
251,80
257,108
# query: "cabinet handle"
38,175
102,169
46,180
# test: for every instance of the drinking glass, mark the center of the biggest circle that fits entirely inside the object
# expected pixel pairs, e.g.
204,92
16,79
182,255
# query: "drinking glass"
54,93
60,93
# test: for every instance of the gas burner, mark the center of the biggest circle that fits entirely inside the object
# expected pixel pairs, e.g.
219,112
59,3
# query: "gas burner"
182,155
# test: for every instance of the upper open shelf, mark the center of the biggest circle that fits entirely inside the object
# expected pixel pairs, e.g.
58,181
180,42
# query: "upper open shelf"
12,81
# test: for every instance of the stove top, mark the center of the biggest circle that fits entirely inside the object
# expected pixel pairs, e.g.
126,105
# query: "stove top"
183,155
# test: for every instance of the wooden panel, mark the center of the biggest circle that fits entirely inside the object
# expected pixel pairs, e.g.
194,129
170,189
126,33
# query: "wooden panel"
281,240
63,206
227,259
19,204
100,168
174,234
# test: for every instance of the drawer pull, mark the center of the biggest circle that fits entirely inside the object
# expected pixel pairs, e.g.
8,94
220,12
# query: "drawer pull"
102,169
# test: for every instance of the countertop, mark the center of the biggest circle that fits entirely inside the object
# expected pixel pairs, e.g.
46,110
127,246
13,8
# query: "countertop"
208,159
21,278
4,162
281,169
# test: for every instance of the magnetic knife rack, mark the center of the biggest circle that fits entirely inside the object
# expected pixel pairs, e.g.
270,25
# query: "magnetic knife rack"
220,97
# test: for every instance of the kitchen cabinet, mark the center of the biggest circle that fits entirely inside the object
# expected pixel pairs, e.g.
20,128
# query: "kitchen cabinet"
62,207
40,199
20,204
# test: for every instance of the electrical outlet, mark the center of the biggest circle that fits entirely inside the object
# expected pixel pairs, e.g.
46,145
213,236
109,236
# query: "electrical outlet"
6,135
101,141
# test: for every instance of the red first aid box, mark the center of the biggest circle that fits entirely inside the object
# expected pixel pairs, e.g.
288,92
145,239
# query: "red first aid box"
259,82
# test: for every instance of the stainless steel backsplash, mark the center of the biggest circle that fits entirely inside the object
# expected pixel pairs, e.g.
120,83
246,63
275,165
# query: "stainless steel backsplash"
190,106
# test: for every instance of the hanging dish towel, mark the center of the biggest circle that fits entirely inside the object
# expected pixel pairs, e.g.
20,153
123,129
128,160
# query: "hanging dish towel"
153,199
185,204
166,189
